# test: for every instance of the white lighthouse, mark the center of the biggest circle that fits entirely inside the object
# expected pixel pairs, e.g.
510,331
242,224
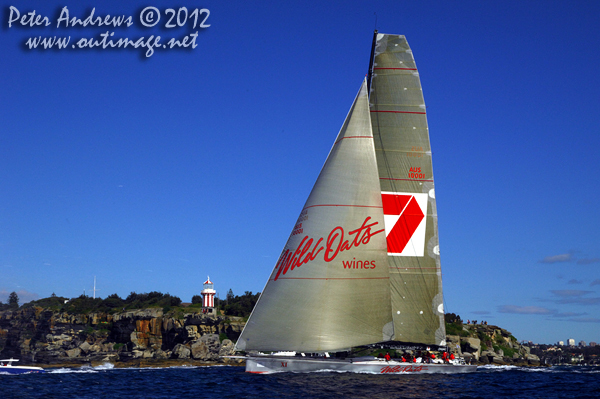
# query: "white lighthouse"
208,295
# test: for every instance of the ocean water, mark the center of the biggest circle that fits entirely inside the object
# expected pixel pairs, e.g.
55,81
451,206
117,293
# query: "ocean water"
233,382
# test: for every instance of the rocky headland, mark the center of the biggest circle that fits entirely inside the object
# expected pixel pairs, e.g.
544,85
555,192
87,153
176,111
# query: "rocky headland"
488,344
142,337
153,337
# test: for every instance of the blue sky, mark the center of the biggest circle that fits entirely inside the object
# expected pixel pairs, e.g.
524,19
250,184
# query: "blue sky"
153,172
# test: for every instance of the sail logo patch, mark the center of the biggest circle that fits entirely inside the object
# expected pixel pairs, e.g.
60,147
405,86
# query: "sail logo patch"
404,217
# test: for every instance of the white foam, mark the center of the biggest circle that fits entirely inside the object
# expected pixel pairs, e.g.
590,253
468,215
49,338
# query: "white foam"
105,366
84,369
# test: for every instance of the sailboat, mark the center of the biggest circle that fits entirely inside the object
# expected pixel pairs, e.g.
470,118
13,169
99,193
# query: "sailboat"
361,267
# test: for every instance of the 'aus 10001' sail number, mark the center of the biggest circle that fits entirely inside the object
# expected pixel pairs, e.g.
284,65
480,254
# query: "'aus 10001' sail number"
335,244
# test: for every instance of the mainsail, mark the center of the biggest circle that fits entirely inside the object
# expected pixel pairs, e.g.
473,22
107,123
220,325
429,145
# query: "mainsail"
403,155
330,288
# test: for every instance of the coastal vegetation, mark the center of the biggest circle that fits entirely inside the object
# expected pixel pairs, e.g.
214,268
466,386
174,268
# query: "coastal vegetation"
454,325
241,306
491,339
234,305
13,302
113,303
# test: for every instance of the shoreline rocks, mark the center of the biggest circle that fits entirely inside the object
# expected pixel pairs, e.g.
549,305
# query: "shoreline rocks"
45,337
153,338
487,344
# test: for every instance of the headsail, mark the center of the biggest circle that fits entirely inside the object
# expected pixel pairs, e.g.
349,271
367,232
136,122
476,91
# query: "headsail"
403,156
330,288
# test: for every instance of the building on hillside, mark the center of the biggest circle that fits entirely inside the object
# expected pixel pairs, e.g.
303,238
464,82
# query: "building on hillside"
571,342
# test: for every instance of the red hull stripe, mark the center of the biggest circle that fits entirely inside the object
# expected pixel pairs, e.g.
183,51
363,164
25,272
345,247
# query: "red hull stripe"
403,112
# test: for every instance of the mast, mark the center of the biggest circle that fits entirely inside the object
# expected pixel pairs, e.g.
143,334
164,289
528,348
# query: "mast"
95,287
370,72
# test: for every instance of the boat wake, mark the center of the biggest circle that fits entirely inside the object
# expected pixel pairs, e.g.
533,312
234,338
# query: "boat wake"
109,366
552,369
83,369
490,367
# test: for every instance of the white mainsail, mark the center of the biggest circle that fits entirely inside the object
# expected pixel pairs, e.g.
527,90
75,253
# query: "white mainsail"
403,156
330,288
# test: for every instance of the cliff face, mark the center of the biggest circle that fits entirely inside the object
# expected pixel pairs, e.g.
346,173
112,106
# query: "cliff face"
42,336
487,344
37,335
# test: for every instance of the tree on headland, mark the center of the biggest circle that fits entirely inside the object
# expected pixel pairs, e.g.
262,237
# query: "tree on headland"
13,300
454,325
239,305
453,318
113,301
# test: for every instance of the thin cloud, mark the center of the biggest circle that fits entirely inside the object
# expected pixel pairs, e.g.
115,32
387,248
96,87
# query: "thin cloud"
525,310
568,314
595,282
570,293
573,281
586,320
588,261
574,297
558,258
579,301
569,257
